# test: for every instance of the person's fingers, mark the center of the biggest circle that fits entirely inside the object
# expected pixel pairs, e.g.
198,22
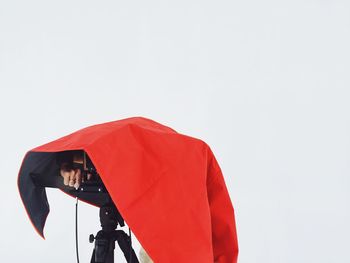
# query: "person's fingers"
65,176
71,178
77,179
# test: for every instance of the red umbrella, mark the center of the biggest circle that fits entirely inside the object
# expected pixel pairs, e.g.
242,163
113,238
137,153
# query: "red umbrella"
167,186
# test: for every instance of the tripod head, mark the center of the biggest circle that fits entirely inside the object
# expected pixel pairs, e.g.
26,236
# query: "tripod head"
105,239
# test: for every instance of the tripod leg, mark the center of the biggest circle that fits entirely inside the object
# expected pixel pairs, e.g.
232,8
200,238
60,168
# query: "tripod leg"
124,244
104,248
93,257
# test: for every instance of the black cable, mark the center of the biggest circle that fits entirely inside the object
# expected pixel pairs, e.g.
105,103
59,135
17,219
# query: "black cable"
76,228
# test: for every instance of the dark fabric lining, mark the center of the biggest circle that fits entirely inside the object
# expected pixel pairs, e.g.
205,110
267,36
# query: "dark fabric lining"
40,170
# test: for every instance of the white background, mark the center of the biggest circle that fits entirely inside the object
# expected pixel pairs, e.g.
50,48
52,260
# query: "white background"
264,83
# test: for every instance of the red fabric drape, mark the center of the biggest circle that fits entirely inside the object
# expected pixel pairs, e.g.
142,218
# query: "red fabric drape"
167,186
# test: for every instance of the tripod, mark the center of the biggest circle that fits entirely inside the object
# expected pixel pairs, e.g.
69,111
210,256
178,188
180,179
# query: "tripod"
105,238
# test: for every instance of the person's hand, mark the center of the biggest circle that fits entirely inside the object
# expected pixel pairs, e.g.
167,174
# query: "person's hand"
71,177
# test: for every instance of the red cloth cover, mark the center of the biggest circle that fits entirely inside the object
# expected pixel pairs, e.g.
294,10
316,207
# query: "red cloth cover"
167,186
